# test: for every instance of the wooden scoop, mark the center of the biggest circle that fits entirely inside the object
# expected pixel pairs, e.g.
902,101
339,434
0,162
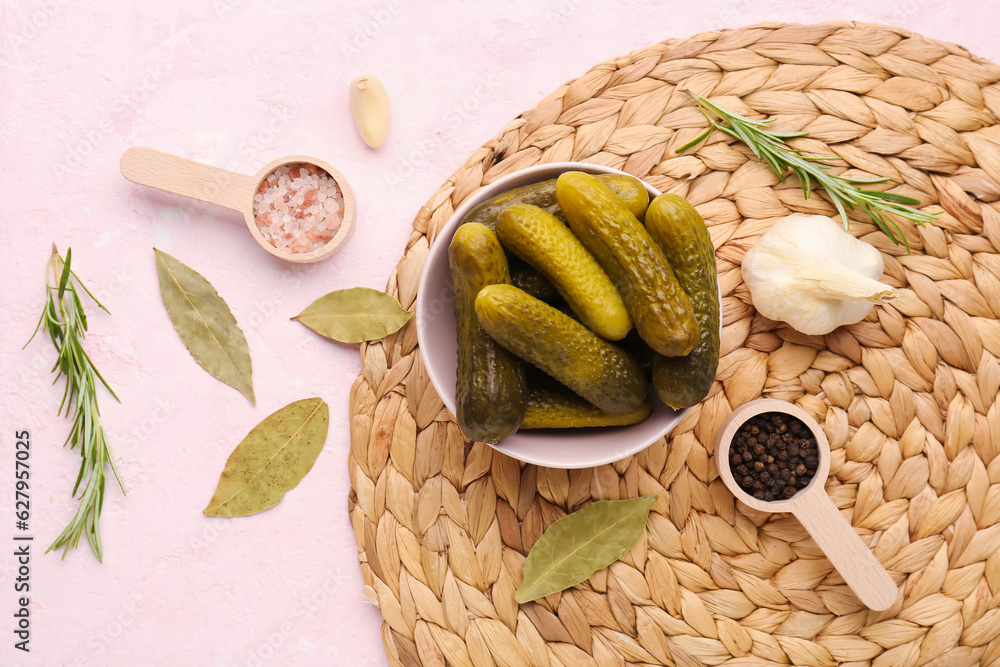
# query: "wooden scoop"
231,190
814,508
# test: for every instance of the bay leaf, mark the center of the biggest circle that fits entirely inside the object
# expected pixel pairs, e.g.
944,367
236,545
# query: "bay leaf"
579,544
354,315
272,459
205,323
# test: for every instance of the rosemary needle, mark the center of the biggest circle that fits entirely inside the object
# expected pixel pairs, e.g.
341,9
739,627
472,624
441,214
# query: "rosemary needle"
812,170
66,323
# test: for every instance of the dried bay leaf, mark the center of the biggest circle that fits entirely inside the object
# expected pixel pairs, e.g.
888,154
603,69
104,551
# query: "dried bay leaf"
354,315
579,544
272,459
205,323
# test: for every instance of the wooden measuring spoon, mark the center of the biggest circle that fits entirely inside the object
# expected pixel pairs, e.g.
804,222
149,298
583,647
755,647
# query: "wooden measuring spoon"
231,190
813,507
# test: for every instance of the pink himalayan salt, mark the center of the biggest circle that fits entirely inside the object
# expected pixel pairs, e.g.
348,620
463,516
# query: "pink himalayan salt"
298,208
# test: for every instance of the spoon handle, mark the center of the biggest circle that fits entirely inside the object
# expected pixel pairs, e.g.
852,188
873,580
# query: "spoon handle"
181,176
848,554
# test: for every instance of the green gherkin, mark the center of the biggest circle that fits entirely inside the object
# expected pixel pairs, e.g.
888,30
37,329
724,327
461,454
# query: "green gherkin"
490,392
543,194
678,229
662,312
542,240
600,372
551,405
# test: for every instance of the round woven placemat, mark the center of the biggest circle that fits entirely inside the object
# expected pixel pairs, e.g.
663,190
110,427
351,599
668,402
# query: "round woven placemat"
908,397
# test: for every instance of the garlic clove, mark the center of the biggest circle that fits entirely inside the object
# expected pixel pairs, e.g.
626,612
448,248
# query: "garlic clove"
370,109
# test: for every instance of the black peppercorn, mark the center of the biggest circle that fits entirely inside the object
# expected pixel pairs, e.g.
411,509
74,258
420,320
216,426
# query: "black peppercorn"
773,456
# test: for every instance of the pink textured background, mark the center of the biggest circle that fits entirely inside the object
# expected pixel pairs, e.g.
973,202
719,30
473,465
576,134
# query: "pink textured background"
237,83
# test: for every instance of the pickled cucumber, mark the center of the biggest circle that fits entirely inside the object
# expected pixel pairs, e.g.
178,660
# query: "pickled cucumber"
601,373
490,393
662,312
678,229
543,194
539,238
551,405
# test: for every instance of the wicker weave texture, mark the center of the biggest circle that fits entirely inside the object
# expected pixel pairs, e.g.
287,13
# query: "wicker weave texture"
908,397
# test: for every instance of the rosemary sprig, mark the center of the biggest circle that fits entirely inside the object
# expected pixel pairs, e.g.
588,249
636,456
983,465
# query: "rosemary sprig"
66,323
812,170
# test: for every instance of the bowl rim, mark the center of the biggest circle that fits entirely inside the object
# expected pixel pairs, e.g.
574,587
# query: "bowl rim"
545,171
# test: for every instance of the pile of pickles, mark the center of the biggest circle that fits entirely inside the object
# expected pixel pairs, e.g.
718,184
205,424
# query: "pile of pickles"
572,295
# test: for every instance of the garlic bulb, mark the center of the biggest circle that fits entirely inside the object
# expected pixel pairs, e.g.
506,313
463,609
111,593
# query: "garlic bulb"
807,271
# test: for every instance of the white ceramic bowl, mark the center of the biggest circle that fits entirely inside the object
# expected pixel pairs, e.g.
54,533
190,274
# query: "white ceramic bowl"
436,333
